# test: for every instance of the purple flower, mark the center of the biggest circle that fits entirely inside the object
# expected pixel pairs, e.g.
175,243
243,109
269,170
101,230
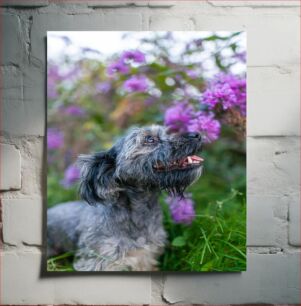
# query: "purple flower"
238,86
182,118
135,56
206,125
227,90
103,87
75,110
71,175
117,67
219,93
182,209
55,139
178,116
193,74
136,84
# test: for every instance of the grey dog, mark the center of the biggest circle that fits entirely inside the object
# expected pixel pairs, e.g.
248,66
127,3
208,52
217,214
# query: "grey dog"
121,229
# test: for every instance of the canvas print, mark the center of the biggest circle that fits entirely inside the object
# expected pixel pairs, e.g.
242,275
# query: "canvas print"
146,151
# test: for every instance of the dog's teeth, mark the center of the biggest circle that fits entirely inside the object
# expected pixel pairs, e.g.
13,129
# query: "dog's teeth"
189,160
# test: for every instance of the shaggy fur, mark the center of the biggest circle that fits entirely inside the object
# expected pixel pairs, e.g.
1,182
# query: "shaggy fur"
121,229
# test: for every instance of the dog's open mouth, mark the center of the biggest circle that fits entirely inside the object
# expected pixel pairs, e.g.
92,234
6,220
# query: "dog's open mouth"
182,164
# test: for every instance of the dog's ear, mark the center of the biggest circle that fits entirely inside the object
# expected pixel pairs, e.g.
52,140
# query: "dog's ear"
97,183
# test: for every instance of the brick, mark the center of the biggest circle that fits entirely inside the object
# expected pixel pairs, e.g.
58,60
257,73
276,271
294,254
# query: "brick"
10,167
22,221
273,165
11,84
260,219
115,3
32,167
170,23
294,220
269,279
23,100
238,3
267,46
24,3
22,284
12,44
34,100
275,91
161,3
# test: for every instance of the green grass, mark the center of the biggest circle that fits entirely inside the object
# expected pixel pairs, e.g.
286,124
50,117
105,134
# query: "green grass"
61,263
215,241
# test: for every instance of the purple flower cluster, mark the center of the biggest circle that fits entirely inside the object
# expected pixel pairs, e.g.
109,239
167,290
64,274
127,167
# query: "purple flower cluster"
181,209
207,125
181,117
118,67
74,110
178,116
71,176
135,56
219,93
55,139
136,83
227,90
121,65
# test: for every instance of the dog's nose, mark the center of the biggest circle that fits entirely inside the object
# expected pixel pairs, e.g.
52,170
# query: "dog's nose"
192,135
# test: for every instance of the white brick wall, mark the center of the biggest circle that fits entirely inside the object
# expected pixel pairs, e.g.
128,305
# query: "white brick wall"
273,31
270,279
23,284
10,168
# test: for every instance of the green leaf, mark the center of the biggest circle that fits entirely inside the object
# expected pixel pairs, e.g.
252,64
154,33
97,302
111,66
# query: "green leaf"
179,241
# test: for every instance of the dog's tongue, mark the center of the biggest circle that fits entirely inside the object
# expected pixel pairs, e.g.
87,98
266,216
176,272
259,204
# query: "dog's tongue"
197,158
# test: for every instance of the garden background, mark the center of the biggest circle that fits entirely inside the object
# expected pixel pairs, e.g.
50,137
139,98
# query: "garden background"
187,81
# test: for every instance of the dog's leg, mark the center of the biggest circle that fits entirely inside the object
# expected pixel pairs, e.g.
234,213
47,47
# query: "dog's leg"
142,259
135,260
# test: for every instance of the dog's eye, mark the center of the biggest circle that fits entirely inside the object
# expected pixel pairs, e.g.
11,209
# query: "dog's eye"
149,139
